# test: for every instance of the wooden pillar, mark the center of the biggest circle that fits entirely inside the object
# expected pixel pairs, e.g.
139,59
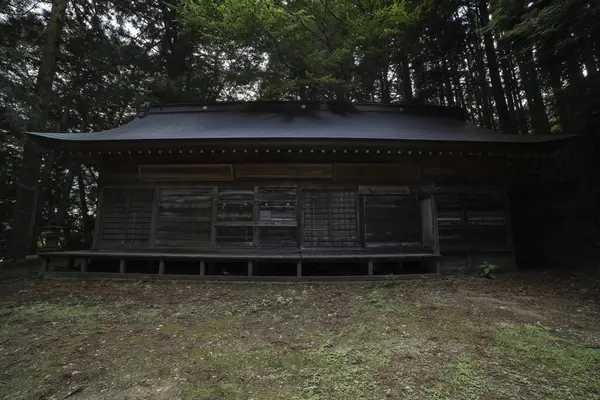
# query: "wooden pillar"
370,268
161,266
438,266
299,269
250,267
84,265
154,218
45,262
202,267
122,265
99,212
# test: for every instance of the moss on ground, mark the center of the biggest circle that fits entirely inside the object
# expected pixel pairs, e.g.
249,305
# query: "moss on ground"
393,341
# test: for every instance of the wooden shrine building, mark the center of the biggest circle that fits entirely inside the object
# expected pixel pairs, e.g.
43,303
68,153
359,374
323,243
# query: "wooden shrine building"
291,190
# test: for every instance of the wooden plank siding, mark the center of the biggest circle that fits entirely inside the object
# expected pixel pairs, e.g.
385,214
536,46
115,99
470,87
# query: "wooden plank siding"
126,218
472,218
186,172
235,217
283,171
184,217
277,222
258,217
392,221
370,207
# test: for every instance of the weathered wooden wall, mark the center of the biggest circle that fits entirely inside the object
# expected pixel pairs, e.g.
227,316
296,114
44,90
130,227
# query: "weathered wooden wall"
370,206
474,227
261,216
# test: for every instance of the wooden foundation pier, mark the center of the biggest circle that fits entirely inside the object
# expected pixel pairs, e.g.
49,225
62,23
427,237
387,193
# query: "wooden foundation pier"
241,267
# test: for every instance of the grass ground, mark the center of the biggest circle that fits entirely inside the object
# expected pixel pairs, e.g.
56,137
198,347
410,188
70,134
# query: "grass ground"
523,337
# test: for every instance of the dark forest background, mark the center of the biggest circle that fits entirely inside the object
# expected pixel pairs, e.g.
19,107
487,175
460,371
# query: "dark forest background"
516,66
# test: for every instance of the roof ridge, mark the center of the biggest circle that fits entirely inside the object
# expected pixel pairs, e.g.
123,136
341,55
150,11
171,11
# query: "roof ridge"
296,106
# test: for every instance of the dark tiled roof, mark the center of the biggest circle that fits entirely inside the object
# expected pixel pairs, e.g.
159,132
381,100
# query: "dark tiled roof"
279,120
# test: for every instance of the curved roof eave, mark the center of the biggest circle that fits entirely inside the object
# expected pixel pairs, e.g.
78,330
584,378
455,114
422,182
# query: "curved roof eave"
228,123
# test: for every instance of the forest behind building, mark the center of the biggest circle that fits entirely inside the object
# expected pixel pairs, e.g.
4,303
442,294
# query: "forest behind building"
515,66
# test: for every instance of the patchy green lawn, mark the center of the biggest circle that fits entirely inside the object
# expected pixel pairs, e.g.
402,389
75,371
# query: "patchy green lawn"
520,337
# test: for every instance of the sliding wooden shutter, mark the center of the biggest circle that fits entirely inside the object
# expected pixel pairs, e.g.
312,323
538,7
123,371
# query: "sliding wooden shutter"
126,217
392,221
277,218
184,217
234,226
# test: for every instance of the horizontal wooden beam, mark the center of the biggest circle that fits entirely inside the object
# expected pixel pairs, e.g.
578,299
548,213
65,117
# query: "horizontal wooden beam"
282,171
231,278
241,256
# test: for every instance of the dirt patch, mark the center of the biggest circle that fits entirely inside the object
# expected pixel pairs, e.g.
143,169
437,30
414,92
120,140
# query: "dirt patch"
512,310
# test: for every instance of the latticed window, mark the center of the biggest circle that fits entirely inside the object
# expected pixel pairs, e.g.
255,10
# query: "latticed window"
330,219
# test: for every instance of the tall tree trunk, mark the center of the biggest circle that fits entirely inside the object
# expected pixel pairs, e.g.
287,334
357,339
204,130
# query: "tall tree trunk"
419,81
447,83
529,77
474,94
511,88
481,87
492,63
407,94
385,91
176,49
48,65
559,96
457,85
441,84
573,64
385,85
518,99
587,52
508,85
596,48
478,71
471,91
24,216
